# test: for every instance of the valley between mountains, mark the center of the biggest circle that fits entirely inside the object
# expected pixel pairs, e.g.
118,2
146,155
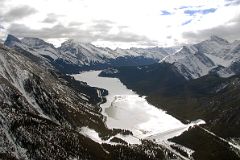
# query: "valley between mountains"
80,101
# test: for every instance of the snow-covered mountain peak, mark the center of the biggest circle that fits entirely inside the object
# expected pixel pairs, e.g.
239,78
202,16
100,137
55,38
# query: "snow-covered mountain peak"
14,42
118,49
218,39
85,52
43,48
11,40
202,58
34,46
68,42
35,42
188,49
74,42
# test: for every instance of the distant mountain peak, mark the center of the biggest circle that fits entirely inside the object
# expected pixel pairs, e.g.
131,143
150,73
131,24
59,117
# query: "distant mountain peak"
70,41
118,49
11,39
74,41
218,39
35,42
186,49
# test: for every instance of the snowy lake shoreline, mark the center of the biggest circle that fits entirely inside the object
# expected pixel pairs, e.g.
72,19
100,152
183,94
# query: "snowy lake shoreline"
124,109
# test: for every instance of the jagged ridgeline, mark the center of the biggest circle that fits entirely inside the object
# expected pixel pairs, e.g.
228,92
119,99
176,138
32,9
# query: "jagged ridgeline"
73,56
212,56
43,113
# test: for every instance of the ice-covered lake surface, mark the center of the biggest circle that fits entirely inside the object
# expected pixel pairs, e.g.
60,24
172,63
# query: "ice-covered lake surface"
125,109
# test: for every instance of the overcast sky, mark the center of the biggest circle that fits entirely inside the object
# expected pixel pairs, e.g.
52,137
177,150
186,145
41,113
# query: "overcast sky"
121,23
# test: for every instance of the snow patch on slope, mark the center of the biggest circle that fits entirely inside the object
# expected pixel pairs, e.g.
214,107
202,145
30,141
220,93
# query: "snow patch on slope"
13,72
95,137
218,61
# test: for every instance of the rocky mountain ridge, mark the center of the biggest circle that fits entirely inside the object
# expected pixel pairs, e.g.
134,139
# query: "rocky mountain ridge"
73,56
214,55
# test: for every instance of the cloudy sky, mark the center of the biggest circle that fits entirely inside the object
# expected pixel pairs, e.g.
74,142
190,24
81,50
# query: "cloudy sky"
121,23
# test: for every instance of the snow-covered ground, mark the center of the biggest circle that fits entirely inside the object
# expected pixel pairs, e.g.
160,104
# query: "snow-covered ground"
125,109
95,136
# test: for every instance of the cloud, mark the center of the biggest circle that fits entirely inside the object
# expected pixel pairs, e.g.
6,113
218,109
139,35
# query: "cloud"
57,31
123,37
184,7
2,2
102,26
88,35
203,11
74,24
104,21
93,20
1,27
51,18
230,31
18,13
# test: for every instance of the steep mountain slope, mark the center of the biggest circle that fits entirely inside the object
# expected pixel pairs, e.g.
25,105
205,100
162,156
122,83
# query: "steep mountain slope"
213,55
33,107
189,59
44,48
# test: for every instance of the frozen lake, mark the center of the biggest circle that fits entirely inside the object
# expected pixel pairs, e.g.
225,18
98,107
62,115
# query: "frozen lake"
125,109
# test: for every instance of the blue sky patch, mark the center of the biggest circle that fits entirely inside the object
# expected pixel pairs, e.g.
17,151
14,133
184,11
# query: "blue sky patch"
184,7
186,22
165,13
203,11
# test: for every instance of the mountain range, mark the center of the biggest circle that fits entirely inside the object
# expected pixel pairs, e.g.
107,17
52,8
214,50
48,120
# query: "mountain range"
73,56
212,56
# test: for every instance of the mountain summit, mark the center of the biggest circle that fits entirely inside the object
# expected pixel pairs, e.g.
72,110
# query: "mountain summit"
213,55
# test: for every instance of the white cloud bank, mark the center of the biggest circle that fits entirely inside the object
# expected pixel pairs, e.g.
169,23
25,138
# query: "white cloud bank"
121,23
